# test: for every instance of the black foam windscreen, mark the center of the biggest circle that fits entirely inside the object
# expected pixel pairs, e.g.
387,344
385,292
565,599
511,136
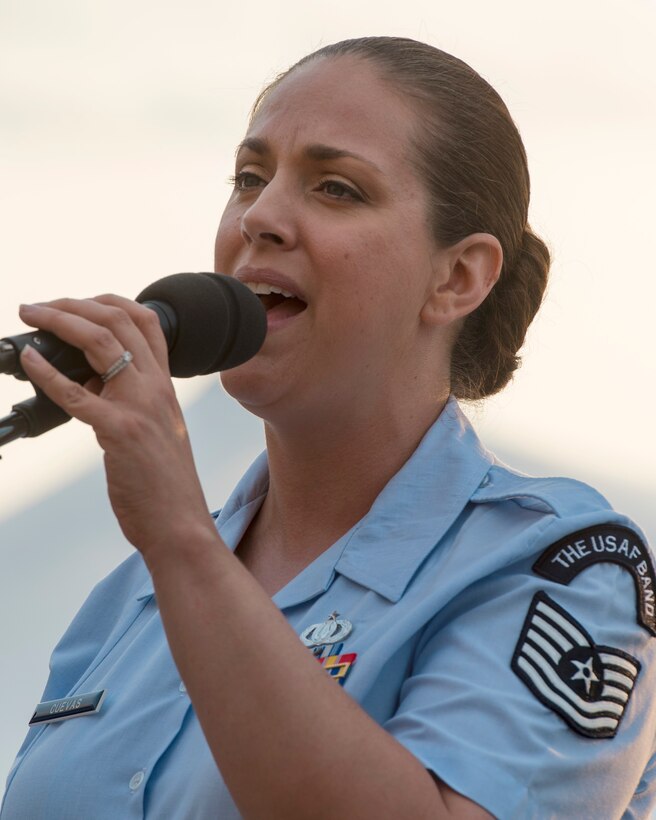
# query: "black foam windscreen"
211,322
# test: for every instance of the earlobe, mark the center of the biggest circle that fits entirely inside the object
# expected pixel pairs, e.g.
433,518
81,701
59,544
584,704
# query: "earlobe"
469,272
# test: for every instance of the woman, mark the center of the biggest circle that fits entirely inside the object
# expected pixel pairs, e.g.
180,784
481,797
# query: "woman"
492,633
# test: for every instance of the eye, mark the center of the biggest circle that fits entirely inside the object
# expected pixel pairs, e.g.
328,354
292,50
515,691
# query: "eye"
339,190
246,180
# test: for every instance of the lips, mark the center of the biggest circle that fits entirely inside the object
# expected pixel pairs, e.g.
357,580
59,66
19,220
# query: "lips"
277,282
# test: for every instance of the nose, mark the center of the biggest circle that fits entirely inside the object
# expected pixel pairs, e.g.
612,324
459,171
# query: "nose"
270,220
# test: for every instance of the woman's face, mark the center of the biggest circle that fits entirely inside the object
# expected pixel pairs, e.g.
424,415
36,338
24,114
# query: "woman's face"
327,207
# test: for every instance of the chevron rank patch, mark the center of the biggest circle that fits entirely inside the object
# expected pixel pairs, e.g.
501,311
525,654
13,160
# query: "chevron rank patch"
588,685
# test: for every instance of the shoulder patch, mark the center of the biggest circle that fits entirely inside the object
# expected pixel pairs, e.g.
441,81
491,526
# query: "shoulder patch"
562,561
588,685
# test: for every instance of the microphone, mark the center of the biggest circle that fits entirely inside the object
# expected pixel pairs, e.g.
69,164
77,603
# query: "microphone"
211,322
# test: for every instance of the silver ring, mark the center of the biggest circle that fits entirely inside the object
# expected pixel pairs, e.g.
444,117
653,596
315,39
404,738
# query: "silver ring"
120,364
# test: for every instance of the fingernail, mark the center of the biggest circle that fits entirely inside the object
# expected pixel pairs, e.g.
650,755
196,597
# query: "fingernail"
25,308
29,353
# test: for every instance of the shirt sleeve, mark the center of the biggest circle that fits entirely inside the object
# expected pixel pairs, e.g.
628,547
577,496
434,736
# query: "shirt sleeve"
535,698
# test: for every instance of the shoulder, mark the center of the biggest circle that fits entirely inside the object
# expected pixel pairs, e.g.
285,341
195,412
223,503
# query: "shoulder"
556,529
115,599
572,527
542,638
556,496
107,610
570,519
127,581
581,581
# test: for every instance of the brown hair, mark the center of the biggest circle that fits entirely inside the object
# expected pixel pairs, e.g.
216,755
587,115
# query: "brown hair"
471,156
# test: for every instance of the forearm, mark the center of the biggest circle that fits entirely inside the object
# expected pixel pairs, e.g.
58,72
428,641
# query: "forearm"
285,736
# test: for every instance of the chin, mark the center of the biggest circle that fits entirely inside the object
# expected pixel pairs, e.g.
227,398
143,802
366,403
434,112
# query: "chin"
278,404
247,385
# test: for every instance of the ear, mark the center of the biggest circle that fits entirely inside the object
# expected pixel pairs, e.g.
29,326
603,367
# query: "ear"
465,274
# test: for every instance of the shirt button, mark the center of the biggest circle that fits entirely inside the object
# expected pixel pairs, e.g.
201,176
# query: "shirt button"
136,780
182,687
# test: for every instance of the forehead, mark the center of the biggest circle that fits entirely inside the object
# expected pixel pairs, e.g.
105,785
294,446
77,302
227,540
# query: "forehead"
342,102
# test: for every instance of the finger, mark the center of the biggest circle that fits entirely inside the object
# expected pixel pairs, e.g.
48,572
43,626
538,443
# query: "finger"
69,395
146,320
101,332
98,343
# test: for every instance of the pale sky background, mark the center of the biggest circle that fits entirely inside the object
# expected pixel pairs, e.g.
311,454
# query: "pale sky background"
118,122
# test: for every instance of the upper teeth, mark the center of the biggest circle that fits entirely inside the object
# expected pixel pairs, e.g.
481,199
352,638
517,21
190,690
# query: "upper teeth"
264,289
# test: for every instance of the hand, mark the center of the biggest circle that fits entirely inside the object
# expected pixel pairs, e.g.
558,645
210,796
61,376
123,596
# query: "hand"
152,481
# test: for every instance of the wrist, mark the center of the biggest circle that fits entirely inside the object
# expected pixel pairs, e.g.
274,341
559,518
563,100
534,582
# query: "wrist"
192,546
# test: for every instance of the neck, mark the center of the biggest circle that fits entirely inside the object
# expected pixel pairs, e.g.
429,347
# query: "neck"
325,477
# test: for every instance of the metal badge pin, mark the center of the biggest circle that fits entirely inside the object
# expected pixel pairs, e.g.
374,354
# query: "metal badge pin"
76,706
332,630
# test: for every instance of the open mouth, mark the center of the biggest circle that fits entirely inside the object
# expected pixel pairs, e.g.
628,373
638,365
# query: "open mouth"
278,303
282,305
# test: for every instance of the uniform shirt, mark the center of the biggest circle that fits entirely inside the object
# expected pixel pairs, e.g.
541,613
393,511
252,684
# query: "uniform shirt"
450,623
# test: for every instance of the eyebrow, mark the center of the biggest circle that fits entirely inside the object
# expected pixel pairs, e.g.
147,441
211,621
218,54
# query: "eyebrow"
316,151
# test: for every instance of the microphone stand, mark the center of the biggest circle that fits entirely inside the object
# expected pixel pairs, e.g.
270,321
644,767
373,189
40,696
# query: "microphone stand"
30,418
39,414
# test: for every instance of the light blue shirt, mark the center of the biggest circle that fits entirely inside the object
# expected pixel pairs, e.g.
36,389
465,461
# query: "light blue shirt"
438,583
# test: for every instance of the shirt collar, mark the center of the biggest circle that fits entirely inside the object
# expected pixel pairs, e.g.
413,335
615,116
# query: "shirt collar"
406,521
417,507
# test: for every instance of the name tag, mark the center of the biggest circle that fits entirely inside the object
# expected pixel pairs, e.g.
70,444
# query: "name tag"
76,706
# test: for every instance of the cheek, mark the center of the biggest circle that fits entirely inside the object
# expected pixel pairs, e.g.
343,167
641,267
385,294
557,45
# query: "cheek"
369,278
228,240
